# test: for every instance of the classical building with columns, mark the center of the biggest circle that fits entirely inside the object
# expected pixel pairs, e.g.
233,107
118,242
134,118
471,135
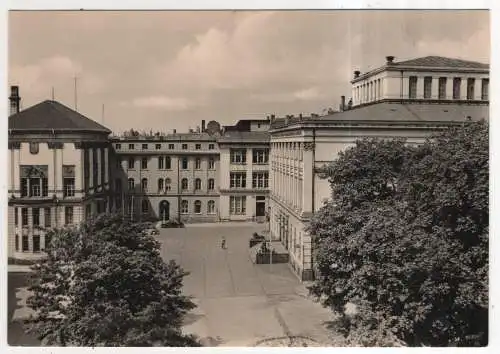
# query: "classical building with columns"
384,106
59,172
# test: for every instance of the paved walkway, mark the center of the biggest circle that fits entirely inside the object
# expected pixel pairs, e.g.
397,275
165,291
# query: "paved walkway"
240,303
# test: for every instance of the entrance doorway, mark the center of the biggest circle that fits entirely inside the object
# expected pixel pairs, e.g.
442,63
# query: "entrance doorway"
260,206
164,210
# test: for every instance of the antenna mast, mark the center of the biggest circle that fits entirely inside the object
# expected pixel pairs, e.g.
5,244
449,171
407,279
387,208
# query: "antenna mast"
76,96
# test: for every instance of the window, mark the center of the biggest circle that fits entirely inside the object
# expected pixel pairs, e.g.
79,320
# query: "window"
160,184
145,207
260,156
184,163
34,182
48,238
171,146
68,215
26,244
68,180
24,187
238,156
158,146
471,82
211,163
131,184
131,163
442,88
457,82
118,185
16,217
238,179
197,146
211,184
47,217
197,164
184,146
168,162
485,87
184,207
36,216
167,184
144,146
144,184
211,146
144,163
118,162
36,243
197,184
260,180
17,242
197,207
118,146
24,216
131,146
161,164
428,87
211,207
237,205
412,92
184,184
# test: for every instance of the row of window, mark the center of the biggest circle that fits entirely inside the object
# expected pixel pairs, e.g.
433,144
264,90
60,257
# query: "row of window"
35,242
457,86
35,215
259,156
145,146
165,184
239,180
197,207
39,187
165,163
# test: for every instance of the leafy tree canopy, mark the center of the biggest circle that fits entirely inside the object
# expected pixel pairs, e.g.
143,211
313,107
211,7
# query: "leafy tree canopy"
405,239
104,283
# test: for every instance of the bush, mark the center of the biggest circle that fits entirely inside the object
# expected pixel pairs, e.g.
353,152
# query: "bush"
105,284
405,239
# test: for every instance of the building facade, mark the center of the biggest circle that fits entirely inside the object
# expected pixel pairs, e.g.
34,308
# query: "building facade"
301,145
59,172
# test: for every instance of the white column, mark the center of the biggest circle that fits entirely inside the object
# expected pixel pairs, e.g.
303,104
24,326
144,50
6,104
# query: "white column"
478,89
106,166
91,168
449,88
420,87
308,180
58,175
99,167
463,88
435,88
15,166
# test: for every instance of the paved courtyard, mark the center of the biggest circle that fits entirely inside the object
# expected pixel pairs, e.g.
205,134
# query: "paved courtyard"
240,303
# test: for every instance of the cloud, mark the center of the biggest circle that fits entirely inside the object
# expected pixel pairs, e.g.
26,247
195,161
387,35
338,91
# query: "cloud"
162,103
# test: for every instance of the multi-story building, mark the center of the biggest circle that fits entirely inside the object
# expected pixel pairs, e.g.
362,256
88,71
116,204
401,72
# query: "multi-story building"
413,108
59,170
172,176
244,170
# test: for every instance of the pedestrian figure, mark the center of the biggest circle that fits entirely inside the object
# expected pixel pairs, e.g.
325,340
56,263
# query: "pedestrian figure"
223,243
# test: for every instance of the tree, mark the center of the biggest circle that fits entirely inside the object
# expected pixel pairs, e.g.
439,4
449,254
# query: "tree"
104,283
405,240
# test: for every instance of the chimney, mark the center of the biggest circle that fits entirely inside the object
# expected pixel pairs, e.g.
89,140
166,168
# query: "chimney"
356,74
175,131
342,103
203,125
14,100
389,59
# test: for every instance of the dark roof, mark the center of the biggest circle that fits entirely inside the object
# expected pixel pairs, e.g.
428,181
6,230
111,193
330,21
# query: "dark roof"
390,112
167,137
244,137
53,116
442,62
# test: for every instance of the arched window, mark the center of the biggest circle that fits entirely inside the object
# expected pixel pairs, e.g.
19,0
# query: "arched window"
197,207
184,184
160,184
144,184
211,207
198,163
131,184
145,206
197,184
184,207
211,184
168,181
168,162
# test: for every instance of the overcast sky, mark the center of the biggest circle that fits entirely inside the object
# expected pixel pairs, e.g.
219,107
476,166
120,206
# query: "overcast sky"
165,70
